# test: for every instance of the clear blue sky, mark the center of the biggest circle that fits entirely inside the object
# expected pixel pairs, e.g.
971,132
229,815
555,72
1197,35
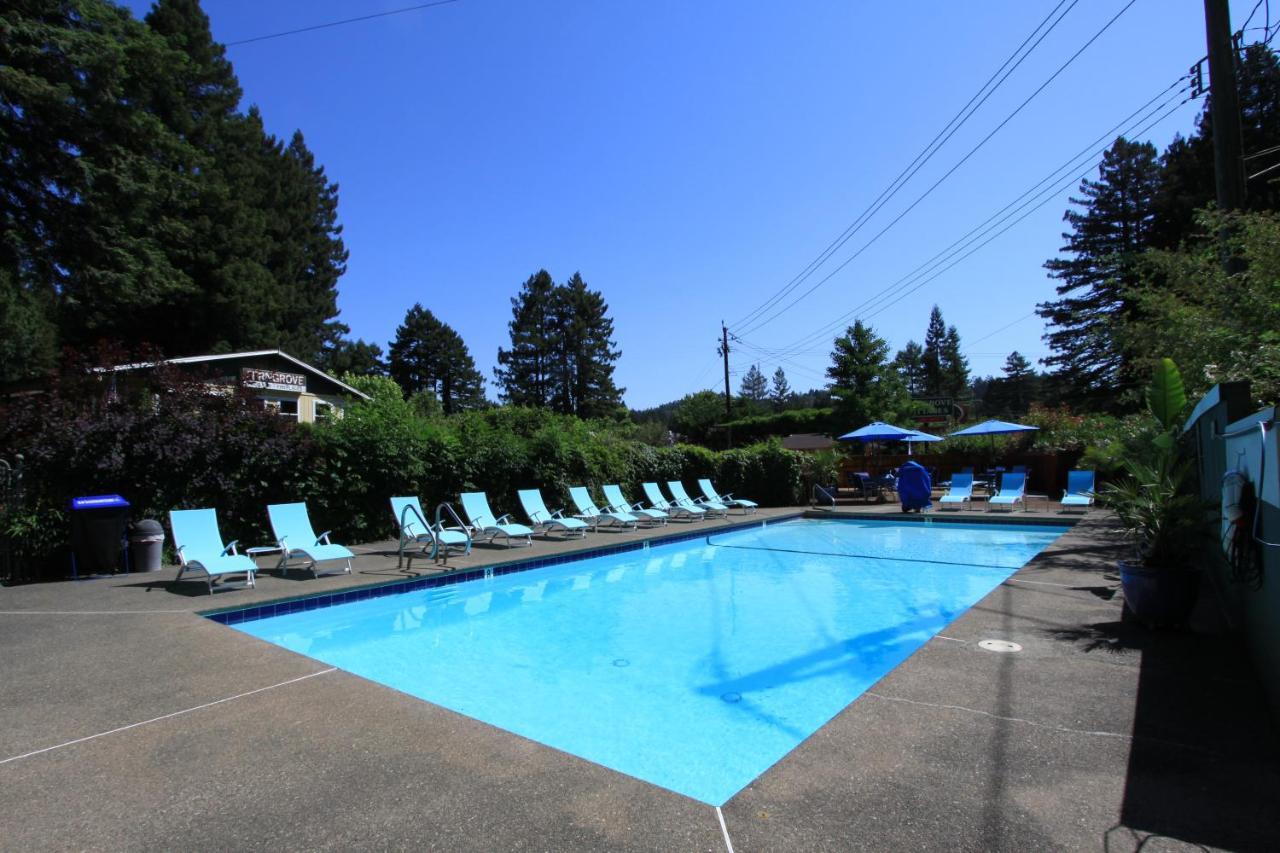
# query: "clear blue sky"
689,159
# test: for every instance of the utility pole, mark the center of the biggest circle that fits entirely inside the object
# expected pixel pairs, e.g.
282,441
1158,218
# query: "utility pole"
1228,153
728,400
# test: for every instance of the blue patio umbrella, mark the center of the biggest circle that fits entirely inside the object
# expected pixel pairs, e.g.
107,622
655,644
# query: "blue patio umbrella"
994,428
918,436
878,431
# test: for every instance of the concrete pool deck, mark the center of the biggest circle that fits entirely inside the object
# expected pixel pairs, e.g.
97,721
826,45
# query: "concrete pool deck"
132,722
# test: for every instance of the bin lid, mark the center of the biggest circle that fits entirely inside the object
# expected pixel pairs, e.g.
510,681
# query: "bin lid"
146,527
98,502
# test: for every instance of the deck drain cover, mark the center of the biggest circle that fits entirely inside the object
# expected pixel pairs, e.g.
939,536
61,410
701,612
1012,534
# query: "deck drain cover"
999,646
731,697
621,662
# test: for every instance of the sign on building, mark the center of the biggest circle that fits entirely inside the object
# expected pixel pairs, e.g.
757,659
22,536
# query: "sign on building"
272,380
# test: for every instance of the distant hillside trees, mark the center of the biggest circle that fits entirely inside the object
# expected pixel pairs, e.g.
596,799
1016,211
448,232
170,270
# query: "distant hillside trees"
427,355
562,351
140,204
781,390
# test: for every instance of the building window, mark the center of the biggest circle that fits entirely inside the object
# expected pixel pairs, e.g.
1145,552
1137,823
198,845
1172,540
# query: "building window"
324,411
283,408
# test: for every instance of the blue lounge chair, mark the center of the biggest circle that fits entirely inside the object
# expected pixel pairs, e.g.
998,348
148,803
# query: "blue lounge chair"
475,505
199,544
1080,488
960,493
1013,487
587,509
709,492
619,503
435,540
657,501
294,534
682,498
544,521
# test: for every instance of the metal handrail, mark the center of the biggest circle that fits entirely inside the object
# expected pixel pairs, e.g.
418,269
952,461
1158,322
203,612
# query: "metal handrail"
821,490
447,507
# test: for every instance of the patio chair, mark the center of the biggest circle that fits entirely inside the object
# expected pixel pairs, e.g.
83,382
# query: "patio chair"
199,544
960,493
435,540
709,492
293,531
657,501
544,521
619,503
587,509
864,486
682,498
1079,492
1013,487
475,505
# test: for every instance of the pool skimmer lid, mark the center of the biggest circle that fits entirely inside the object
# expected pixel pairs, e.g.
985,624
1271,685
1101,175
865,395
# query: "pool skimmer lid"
999,646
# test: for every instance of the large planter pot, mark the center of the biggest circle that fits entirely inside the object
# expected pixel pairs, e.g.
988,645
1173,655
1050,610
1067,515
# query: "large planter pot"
1159,597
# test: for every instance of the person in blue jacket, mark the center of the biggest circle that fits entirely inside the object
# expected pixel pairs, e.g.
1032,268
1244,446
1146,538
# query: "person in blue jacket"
915,487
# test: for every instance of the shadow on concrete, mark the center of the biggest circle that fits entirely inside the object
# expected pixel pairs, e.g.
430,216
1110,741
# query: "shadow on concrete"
1204,762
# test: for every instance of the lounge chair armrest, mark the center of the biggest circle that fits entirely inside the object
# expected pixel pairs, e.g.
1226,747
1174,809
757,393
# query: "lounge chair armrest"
558,514
231,548
182,558
323,538
638,505
503,519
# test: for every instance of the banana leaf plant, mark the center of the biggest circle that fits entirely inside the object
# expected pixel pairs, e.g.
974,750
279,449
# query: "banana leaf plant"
1154,501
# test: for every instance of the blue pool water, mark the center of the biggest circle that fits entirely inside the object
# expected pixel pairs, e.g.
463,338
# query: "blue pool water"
694,665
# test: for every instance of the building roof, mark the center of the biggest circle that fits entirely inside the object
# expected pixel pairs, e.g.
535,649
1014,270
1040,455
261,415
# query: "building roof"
808,441
229,356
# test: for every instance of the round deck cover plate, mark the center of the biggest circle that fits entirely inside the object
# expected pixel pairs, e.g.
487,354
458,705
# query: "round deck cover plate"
999,646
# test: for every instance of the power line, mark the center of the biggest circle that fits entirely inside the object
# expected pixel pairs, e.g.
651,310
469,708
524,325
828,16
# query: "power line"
1124,127
935,144
343,22
762,322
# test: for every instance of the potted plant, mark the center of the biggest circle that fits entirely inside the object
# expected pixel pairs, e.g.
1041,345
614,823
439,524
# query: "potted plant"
1160,513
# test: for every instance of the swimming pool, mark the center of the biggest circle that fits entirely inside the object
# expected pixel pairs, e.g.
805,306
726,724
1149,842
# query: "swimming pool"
693,665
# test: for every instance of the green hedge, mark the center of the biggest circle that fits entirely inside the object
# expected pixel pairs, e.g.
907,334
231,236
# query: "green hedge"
186,449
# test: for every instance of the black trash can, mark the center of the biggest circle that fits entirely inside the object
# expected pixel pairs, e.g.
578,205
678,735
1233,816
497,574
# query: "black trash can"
98,525
146,542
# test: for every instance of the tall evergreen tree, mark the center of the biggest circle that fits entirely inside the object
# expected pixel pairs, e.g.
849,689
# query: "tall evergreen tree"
428,355
755,386
583,351
867,386
1019,377
524,372
910,363
931,358
341,356
781,389
955,367
1113,228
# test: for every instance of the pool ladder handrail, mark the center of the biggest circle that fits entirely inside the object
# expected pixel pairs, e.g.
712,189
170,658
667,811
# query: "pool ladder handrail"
439,551
829,497
445,507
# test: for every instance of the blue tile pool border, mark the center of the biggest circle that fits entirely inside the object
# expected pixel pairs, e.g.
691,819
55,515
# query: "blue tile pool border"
281,607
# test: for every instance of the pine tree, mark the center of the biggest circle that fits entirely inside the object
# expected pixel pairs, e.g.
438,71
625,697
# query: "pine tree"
910,364
932,356
781,390
1018,378
1108,234
427,355
524,372
583,350
955,367
755,386
341,356
867,386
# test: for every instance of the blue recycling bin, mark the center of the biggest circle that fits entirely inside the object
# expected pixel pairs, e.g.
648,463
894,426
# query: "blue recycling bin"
98,540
